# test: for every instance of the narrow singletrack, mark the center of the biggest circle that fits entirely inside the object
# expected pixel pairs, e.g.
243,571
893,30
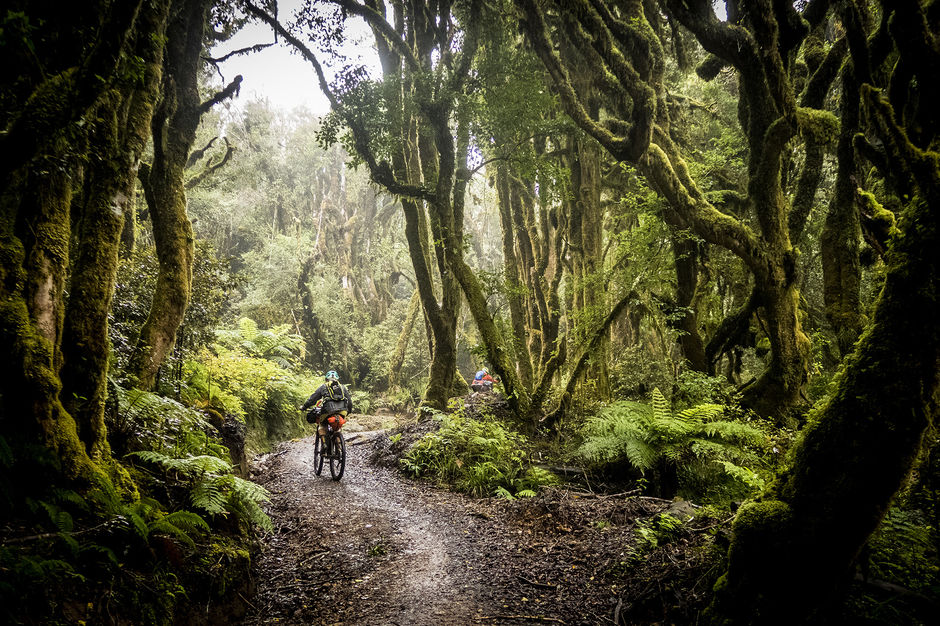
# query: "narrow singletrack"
370,549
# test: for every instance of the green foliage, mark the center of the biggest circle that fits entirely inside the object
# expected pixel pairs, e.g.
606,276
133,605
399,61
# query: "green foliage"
694,388
148,421
213,488
654,532
710,456
253,374
212,287
362,401
478,456
276,344
903,551
650,534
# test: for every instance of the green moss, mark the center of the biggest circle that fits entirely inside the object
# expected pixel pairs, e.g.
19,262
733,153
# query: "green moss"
820,127
884,220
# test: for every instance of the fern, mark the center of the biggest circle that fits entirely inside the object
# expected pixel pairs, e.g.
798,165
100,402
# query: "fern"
213,488
179,524
208,496
476,456
698,443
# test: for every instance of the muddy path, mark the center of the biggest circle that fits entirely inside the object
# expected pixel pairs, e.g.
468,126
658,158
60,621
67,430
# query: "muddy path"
377,548
369,549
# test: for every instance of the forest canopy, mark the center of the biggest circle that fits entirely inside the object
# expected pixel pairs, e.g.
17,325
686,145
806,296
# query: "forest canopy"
693,242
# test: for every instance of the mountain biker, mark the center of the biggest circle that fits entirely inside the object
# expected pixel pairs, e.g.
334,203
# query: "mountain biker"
482,381
336,399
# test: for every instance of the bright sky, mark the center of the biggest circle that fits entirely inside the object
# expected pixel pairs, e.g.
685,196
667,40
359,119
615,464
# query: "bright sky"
277,73
284,77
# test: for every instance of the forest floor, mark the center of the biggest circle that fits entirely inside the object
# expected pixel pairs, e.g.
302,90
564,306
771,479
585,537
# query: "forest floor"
377,548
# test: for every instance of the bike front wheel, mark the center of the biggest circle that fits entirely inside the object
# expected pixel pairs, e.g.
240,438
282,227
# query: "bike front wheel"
319,452
338,456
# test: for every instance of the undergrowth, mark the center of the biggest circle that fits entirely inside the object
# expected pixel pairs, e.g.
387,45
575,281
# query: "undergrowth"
696,452
110,555
475,455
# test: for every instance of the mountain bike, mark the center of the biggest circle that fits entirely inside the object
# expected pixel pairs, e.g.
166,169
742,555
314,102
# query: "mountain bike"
330,445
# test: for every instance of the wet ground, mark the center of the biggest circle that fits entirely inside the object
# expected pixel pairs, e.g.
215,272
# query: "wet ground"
377,548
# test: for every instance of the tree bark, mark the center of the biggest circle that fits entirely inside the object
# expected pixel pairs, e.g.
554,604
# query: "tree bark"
40,149
174,131
586,223
801,540
513,275
120,137
842,231
685,251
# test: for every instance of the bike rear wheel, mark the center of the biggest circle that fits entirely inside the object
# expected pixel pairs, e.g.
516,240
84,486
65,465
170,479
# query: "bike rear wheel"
338,456
319,451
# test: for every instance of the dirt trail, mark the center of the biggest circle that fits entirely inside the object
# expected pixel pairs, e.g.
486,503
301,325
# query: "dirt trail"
370,549
376,548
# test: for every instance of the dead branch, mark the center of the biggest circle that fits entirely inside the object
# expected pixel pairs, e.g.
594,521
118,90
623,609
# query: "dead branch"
536,584
536,618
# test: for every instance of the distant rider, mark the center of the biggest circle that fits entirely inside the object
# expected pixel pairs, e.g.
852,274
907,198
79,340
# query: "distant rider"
482,381
336,399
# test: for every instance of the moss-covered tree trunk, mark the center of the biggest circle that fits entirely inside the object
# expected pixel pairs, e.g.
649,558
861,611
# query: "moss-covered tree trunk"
119,138
685,252
401,347
623,56
841,235
794,549
586,227
513,275
40,148
174,131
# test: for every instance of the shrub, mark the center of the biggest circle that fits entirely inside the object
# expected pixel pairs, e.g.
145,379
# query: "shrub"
478,456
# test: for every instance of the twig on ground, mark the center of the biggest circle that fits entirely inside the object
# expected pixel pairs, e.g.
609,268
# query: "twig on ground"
537,618
536,584
617,611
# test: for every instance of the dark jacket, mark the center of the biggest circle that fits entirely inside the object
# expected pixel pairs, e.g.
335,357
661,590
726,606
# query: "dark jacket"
335,398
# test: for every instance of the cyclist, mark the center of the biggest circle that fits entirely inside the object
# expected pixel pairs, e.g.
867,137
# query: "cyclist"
482,381
336,400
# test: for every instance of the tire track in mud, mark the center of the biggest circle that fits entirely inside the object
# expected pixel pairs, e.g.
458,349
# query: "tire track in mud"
372,548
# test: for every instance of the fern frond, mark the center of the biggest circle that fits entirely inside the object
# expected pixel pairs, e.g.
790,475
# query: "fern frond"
248,328
208,496
70,542
67,496
702,413
64,522
104,551
250,490
743,474
161,526
661,410
187,520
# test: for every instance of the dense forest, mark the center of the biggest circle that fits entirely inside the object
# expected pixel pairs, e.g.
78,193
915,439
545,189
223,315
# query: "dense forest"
690,240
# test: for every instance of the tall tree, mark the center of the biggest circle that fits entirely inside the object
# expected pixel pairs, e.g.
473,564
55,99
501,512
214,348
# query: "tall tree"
62,64
174,131
119,135
426,167
625,57
802,538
